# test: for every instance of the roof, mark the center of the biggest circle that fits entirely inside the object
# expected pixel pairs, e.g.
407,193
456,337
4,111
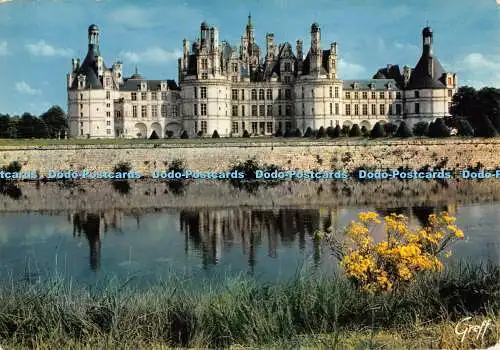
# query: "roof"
392,71
89,69
364,84
131,84
422,78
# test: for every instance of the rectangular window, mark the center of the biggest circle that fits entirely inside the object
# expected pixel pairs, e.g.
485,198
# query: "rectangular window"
331,91
204,76
356,109
153,96
254,94
279,94
242,111
108,95
390,109
269,94
280,110
382,109
174,111
356,95
450,93
336,92
347,95
195,109
234,128
234,95
382,94
163,96
134,111
417,94
144,111
108,123
331,108
242,94
254,110
164,111
203,92
398,109
287,79
374,110
235,67
398,95
262,110
254,127
269,110
288,125
203,109
204,126
288,110
235,111
204,63
195,92
347,109
261,94
269,127
364,95
288,94
365,109
133,96
154,111
108,131
234,79
417,107
144,96
108,82
336,109
374,95
108,114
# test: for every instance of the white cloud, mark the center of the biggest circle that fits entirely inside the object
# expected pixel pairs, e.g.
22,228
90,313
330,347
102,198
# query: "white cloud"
4,48
134,17
41,48
350,70
151,55
406,47
478,70
4,1
24,88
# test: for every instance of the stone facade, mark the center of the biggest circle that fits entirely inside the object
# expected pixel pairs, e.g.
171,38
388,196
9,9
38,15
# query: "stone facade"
231,89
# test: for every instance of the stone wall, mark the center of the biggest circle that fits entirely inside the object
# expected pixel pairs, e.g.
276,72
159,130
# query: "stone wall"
303,155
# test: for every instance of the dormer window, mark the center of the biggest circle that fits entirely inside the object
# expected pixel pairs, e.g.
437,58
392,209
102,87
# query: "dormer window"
389,85
372,86
144,86
356,86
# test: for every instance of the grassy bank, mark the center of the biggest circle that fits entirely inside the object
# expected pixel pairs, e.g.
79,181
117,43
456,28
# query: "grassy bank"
308,310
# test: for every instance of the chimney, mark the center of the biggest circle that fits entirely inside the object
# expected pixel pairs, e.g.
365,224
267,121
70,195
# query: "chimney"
300,54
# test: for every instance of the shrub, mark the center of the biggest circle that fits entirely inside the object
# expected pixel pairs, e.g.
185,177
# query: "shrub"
364,131
122,167
355,131
279,133
464,128
421,129
438,129
308,132
289,133
345,130
321,133
403,130
377,131
390,129
184,135
245,133
397,260
177,165
297,133
215,135
329,131
169,133
199,133
13,167
337,131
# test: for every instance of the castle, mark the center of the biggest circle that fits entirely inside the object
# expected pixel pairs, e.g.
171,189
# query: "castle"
230,89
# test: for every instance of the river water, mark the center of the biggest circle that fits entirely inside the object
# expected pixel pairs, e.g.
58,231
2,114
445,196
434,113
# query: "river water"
206,242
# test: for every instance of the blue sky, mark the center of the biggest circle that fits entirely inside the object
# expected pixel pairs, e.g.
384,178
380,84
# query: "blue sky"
39,38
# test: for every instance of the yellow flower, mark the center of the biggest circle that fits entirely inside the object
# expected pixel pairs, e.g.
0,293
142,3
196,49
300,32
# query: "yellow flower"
447,254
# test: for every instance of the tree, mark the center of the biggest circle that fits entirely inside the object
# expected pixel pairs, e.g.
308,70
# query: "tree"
279,133
56,121
289,133
308,132
321,133
464,128
154,136
245,133
345,130
355,131
297,133
488,129
377,131
438,128
329,131
403,130
421,129
4,125
390,129
31,126
465,103
215,134
184,135
489,102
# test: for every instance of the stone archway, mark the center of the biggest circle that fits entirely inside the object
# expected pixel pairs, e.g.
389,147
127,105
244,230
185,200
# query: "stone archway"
366,124
347,123
173,128
155,128
141,131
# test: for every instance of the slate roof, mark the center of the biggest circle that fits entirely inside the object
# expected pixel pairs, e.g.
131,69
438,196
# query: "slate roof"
132,84
392,71
422,78
89,69
364,84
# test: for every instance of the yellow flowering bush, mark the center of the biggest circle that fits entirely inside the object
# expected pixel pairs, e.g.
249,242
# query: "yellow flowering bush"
378,267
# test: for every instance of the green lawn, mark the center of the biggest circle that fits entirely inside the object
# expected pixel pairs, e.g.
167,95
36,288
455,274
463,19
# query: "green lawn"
208,140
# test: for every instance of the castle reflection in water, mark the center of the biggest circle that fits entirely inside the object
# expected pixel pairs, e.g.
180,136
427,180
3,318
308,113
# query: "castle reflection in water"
210,232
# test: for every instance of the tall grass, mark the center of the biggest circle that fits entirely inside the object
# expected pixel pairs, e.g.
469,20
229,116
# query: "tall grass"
238,311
